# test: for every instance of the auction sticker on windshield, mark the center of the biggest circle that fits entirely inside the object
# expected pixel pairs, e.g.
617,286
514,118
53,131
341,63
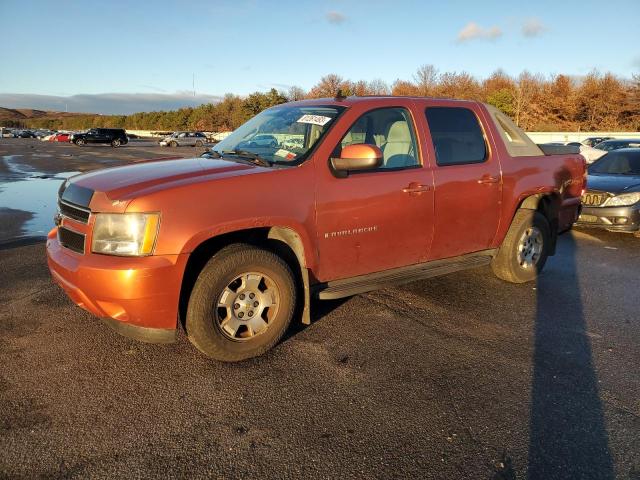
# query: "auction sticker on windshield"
314,119
285,154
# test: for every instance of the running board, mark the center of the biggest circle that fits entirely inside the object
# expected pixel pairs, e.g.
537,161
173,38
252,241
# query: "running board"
397,276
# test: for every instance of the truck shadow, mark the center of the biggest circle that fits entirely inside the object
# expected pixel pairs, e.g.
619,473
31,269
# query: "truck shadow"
319,310
567,432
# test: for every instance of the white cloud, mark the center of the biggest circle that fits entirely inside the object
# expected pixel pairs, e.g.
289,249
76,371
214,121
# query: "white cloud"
335,17
473,31
107,103
533,27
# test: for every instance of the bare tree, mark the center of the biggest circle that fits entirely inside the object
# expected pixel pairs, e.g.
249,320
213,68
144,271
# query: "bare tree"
378,86
426,80
295,93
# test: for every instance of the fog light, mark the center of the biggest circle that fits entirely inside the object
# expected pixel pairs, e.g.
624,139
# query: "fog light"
621,220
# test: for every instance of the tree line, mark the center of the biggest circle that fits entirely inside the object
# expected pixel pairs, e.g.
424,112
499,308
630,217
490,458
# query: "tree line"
597,101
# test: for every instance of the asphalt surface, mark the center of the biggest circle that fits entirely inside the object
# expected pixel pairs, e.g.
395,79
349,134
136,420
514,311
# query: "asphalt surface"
461,376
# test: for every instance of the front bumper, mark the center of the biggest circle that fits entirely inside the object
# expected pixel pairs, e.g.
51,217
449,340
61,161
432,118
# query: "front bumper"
623,219
138,296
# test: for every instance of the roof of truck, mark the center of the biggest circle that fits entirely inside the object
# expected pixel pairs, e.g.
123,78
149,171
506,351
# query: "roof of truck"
351,100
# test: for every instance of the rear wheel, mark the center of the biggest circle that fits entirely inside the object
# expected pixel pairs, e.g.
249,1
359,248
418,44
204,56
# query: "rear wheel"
525,248
198,143
241,303
115,143
80,142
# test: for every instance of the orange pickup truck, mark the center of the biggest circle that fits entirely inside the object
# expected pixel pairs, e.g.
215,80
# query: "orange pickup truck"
348,195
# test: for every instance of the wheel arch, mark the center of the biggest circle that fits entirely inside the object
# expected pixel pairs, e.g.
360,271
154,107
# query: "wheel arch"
548,204
284,241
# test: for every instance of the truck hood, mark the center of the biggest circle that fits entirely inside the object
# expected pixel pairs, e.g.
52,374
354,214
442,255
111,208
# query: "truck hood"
128,182
613,183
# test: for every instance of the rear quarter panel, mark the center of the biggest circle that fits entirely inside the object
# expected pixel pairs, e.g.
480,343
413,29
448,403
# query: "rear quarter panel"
561,176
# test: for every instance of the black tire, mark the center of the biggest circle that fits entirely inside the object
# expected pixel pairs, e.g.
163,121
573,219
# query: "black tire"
79,142
198,143
115,143
173,144
637,233
510,264
204,320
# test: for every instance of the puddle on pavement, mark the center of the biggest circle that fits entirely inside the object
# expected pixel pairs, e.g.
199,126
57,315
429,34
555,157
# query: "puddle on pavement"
29,190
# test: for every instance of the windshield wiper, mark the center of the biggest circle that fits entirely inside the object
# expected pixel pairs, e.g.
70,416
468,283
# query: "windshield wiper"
211,153
253,157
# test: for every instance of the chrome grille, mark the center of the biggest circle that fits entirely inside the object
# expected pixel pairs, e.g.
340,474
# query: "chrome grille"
74,212
71,240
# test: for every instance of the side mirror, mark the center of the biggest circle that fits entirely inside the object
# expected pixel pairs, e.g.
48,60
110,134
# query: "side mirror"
357,157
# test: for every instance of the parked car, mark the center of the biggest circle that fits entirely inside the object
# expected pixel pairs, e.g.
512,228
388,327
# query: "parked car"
181,139
593,141
60,137
617,143
110,136
385,191
612,199
40,134
590,154
262,140
23,134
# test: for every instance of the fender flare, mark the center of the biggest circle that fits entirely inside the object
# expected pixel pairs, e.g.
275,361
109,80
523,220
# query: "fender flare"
291,238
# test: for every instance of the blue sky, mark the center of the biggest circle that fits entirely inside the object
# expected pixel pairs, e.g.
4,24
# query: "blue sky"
64,48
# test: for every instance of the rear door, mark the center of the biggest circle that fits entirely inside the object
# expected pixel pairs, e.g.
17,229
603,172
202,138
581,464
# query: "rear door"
468,181
102,136
378,219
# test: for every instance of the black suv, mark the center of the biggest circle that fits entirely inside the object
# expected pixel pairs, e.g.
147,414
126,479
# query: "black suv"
112,136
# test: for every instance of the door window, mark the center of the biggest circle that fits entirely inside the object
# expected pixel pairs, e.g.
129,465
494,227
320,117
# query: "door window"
391,130
457,135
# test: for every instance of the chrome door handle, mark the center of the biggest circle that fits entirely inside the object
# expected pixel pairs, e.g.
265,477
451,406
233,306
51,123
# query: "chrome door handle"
415,187
489,179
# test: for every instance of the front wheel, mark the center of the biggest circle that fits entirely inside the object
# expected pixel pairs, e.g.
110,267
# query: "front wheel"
198,143
80,142
115,143
241,304
173,144
525,248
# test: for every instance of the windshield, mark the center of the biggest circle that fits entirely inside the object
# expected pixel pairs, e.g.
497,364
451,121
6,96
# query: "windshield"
618,162
284,134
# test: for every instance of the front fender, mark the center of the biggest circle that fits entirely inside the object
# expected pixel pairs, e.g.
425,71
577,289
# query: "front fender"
307,255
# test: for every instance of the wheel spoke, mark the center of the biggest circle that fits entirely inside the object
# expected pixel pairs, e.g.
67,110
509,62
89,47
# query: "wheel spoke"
268,298
256,325
226,299
231,325
251,281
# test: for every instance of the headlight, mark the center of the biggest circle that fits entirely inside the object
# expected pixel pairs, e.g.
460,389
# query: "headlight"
623,200
129,234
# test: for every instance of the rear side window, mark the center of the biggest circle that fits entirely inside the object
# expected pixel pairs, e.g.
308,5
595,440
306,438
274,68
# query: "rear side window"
457,136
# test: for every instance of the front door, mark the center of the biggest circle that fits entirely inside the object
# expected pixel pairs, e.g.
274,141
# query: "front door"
468,182
379,219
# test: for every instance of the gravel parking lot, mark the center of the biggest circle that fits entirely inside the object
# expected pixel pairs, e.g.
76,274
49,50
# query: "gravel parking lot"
461,376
